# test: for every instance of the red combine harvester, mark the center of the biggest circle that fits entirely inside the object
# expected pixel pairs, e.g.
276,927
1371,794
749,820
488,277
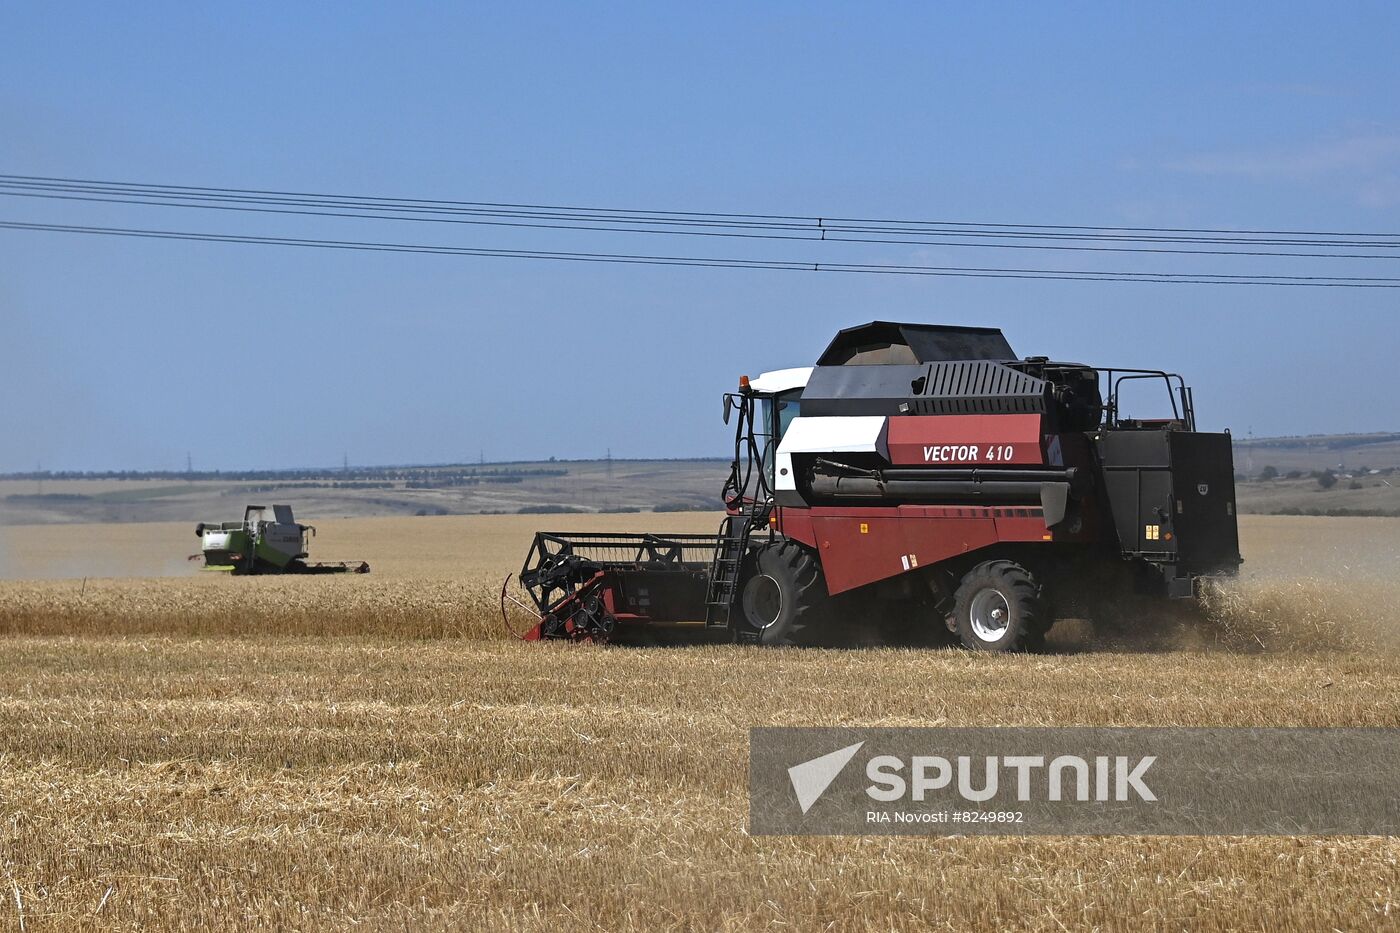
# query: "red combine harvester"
925,477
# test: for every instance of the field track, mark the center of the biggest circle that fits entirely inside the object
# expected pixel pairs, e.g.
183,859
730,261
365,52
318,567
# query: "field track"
199,751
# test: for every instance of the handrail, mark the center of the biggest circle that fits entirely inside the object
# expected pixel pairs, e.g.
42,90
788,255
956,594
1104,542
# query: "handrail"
1176,386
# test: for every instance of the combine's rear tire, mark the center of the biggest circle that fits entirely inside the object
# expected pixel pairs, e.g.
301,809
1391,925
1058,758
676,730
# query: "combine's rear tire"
999,607
783,599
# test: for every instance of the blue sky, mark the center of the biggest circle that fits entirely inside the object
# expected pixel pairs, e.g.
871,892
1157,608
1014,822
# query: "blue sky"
127,354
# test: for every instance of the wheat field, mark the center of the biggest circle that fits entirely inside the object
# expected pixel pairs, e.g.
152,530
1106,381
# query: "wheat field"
198,751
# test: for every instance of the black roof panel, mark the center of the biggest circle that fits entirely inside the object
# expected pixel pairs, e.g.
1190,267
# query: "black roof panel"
887,342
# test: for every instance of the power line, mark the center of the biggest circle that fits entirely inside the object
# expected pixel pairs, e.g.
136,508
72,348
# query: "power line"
824,234
731,226
708,262
737,217
691,223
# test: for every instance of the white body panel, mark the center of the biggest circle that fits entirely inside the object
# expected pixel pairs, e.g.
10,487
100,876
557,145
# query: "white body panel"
868,434
781,380
215,541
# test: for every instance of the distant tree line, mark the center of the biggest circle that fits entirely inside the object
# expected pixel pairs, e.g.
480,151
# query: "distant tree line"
1323,441
436,475
1339,512
1325,478
348,484
47,498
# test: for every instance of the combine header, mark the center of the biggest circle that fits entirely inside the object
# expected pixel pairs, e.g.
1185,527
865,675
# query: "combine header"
262,545
926,477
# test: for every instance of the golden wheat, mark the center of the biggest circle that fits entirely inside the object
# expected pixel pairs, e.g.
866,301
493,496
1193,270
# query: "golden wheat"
256,606
304,783
1309,584
322,752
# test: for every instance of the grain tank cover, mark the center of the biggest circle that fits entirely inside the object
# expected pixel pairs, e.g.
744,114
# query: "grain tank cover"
884,368
883,343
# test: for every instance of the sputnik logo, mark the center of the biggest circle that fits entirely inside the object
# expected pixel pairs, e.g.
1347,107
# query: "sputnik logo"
810,779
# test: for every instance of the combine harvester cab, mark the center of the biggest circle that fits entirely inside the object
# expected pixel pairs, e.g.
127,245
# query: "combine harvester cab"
925,478
263,544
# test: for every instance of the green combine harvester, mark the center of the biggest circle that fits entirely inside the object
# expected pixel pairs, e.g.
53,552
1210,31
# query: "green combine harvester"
260,544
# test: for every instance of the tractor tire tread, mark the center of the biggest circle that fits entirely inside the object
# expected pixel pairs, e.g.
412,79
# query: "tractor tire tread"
1031,615
809,614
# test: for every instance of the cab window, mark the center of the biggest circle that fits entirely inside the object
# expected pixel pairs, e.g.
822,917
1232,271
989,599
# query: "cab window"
778,413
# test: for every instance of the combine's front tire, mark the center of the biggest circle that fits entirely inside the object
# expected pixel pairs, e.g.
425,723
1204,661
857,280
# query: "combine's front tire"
999,607
783,599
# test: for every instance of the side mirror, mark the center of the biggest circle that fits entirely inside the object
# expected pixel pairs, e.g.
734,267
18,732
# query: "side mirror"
728,406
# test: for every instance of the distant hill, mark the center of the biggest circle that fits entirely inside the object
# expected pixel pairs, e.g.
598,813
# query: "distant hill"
1283,475
1274,475
563,486
1317,452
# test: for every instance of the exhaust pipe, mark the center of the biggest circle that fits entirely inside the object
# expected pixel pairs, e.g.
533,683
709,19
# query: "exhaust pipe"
1049,489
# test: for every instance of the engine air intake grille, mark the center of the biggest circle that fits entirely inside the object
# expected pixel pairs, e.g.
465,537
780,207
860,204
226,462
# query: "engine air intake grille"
975,387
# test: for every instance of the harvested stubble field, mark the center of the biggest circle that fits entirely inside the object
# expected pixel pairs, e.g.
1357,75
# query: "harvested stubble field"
199,751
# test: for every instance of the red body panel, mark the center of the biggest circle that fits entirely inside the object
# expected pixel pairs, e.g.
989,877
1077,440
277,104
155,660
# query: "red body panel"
965,440
862,545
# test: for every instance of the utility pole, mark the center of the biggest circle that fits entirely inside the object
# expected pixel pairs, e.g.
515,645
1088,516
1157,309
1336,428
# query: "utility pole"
609,463
189,464
345,462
